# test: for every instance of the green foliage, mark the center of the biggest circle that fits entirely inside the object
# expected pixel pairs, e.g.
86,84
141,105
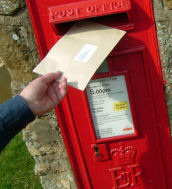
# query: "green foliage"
16,167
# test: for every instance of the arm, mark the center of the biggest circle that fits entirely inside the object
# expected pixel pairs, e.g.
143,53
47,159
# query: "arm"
14,116
39,97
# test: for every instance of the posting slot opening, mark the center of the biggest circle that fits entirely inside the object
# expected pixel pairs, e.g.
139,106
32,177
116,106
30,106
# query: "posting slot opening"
120,21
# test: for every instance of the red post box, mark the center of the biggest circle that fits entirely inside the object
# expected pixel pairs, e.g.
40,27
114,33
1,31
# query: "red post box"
116,131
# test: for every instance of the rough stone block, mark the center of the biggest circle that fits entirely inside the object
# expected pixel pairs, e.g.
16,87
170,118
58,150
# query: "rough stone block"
169,5
8,7
5,83
45,133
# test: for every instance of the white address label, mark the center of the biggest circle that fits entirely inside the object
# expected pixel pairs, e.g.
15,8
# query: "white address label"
85,53
110,107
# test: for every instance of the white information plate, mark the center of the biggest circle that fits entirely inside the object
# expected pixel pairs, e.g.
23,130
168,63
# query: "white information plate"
110,107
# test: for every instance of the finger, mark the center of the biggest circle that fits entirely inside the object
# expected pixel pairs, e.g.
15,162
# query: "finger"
52,94
64,79
60,89
55,85
50,77
63,87
61,84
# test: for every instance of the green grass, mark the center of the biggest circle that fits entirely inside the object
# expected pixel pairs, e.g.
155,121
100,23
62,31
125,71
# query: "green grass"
16,166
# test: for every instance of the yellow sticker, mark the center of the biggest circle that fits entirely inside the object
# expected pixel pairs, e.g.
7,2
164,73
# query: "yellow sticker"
118,106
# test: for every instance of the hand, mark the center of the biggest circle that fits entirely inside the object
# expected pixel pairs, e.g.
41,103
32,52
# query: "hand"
45,93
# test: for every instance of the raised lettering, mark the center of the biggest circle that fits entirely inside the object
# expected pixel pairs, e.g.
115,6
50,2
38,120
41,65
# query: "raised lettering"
90,9
121,178
110,5
103,6
135,171
77,11
117,5
70,12
125,3
98,9
62,13
125,176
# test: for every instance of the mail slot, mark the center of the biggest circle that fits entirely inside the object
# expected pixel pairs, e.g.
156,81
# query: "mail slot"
116,132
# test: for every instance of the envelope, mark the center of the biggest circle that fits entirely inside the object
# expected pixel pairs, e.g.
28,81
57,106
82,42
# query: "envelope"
80,52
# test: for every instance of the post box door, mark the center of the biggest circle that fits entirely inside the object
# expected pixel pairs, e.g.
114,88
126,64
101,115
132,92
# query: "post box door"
131,157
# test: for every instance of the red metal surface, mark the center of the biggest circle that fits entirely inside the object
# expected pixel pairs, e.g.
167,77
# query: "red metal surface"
142,161
86,9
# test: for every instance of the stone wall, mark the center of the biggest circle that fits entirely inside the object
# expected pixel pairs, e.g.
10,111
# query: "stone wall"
163,19
20,55
43,138
5,83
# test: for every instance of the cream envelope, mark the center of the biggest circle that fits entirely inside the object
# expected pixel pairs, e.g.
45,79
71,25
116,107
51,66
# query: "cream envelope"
80,52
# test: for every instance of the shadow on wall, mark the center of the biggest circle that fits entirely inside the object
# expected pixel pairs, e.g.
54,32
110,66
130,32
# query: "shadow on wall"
5,83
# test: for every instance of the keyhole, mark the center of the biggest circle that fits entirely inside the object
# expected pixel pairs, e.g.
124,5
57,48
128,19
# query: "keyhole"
96,149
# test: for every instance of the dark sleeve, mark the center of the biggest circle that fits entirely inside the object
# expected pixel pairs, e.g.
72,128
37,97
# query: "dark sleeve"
15,114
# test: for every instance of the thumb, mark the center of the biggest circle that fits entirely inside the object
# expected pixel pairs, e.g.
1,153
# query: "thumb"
50,77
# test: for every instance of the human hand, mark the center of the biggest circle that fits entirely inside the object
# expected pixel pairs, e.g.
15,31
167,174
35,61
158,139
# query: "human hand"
45,93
